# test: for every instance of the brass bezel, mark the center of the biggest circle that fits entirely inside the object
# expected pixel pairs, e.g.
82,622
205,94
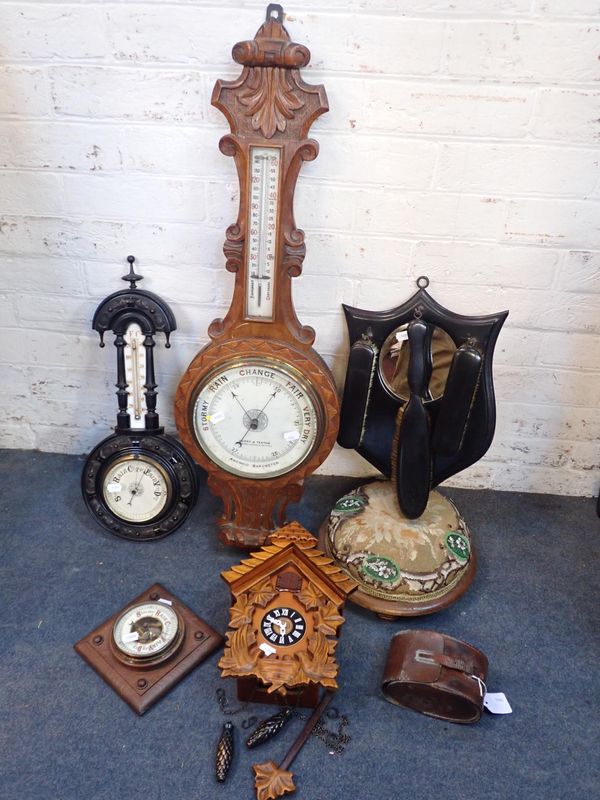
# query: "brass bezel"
281,366
157,658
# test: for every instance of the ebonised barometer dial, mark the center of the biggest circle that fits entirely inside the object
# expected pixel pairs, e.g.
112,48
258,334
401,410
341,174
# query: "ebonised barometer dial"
257,407
138,483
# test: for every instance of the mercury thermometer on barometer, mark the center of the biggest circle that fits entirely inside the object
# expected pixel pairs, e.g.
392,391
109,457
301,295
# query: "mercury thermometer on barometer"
135,375
262,231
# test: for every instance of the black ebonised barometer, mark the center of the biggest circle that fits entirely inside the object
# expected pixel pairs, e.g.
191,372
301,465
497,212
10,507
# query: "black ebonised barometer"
139,483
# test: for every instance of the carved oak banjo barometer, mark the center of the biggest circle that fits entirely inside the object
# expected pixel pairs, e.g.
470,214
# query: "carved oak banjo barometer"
139,483
257,407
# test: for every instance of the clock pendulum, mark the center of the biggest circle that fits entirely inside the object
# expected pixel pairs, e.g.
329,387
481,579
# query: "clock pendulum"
257,407
139,483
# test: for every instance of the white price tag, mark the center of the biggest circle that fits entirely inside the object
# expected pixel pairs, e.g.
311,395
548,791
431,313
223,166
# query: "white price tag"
166,602
496,703
113,487
130,637
267,649
401,336
291,436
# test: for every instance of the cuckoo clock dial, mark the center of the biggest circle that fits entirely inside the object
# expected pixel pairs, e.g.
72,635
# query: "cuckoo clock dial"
257,407
283,627
138,483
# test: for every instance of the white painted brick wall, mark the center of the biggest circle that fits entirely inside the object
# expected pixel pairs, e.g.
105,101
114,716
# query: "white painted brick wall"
461,143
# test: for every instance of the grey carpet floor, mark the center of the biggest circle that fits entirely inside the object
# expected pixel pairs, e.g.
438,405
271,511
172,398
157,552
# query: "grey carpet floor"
533,609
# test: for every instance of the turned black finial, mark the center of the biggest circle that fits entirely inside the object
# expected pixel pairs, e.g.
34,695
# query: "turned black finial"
132,277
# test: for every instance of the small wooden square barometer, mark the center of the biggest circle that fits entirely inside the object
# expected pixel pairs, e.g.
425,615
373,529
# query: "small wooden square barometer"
144,649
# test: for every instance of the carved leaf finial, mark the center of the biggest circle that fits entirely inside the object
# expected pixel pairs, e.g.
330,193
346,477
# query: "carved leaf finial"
270,100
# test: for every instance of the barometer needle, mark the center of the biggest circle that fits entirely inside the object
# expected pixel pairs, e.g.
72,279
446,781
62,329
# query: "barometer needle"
265,405
235,397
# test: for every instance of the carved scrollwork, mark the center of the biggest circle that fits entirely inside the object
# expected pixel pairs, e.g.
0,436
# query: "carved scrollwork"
309,150
271,53
228,145
270,100
294,251
234,248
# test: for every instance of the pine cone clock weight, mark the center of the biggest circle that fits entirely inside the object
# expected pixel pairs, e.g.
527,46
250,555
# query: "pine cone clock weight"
224,755
269,727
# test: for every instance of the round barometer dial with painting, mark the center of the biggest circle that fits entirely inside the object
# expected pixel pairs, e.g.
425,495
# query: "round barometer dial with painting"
147,633
258,407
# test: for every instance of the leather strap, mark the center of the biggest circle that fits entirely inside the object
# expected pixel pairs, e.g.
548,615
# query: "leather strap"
435,674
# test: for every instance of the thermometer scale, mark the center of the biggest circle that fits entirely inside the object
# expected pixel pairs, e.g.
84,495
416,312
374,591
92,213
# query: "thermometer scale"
262,227
135,375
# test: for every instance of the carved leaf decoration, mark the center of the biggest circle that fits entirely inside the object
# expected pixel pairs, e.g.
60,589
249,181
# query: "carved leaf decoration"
330,620
276,673
241,613
319,665
309,596
263,593
237,658
270,781
270,100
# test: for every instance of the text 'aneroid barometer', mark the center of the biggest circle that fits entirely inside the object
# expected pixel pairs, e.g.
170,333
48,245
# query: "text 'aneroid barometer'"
257,407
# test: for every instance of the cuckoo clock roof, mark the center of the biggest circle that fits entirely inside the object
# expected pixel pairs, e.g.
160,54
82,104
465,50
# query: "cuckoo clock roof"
291,544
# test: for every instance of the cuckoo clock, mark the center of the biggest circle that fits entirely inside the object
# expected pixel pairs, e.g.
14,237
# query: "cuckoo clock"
284,620
257,407
139,483
419,405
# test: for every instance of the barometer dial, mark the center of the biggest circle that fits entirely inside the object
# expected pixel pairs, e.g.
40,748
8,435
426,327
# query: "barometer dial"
258,420
136,488
147,632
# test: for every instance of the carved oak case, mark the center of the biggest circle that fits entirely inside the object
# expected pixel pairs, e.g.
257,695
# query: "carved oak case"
258,407
286,612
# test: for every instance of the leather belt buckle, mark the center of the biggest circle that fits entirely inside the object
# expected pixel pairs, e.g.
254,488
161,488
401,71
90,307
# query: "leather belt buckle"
435,674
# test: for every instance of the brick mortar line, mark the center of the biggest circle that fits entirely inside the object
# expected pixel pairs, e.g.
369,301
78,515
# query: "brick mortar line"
306,315
223,70
533,15
378,187
313,181
120,122
406,237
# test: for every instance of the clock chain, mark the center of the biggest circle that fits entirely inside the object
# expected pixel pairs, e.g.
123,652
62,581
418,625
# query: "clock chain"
336,741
